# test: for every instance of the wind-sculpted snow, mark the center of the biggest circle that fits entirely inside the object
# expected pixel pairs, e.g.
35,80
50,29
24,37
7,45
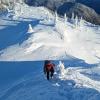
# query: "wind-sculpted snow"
50,37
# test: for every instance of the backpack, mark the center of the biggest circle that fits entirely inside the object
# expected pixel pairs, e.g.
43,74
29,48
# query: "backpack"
49,66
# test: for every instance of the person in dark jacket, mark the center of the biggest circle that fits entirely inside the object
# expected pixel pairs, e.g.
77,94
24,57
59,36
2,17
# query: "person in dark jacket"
49,69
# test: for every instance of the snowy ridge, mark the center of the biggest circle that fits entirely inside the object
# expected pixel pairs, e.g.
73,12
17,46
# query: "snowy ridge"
49,36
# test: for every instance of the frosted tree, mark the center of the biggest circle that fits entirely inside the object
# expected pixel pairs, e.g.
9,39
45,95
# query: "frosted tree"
76,21
65,18
81,22
73,17
60,69
17,8
59,25
20,9
56,18
5,2
47,16
30,29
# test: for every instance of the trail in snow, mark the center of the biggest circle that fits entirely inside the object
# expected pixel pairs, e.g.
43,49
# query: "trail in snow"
68,84
38,36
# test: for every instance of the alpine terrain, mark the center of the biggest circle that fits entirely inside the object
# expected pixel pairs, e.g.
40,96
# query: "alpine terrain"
28,36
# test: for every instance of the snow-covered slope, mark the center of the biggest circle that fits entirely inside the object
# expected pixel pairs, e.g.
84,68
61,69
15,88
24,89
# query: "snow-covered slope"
70,83
48,36
34,33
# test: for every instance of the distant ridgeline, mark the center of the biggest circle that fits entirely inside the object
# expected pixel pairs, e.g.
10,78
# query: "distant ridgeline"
95,4
87,9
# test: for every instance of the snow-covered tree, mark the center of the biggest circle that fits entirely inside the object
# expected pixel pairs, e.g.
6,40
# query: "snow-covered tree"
60,26
60,69
56,18
82,22
47,16
65,18
73,17
30,29
76,21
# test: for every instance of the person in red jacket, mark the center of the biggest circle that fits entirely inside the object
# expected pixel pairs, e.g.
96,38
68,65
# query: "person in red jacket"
49,69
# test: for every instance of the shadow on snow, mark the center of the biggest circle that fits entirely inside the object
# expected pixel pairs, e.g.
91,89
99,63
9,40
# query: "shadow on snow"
15,34
30,71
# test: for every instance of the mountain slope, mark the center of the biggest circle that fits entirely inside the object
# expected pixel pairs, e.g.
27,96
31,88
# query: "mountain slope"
79,10
68,83
49,34
88,9
91,3
66,5
28,34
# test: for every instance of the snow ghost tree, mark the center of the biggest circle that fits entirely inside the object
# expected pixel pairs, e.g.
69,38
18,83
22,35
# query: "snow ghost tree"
56,18
82,25
60,26
10,3
73,17
60,69
30,29
82,22
65,18
76,21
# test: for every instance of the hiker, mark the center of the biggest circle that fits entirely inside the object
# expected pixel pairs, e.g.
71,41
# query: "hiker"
49,69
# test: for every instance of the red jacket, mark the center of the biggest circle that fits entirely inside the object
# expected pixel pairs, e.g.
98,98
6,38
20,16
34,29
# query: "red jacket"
49,67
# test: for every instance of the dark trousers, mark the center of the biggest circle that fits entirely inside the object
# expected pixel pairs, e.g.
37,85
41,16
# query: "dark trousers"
50,74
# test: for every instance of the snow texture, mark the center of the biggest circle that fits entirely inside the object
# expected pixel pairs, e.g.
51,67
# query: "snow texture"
28,34
49,33
26,81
